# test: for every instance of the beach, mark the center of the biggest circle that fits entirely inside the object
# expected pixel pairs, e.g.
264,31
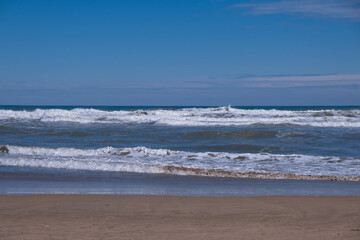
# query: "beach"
161,217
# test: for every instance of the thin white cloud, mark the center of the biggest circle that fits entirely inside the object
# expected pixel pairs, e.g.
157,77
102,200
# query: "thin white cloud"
211,83
269,81
298,81
346,9
306,78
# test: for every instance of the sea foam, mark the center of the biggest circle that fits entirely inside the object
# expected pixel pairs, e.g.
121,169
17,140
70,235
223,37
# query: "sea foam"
221,116
222,164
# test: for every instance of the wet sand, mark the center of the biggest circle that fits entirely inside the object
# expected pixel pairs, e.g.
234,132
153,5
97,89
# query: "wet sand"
159,217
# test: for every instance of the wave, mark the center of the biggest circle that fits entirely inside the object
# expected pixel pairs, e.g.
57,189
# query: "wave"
232,134
219,164
221,116
237,148
252,134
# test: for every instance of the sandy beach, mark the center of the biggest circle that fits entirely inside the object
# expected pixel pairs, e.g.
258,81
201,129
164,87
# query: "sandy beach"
159,217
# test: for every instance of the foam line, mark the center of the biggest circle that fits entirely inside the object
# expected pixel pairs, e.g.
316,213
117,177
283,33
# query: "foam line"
221,116
147,160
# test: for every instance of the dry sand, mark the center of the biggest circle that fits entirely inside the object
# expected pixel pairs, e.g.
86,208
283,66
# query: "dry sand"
152,217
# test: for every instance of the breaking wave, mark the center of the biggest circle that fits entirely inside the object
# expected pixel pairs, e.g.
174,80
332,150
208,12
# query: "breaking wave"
220,164
221,116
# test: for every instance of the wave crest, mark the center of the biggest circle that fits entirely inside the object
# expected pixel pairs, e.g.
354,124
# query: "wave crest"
221,164
221,116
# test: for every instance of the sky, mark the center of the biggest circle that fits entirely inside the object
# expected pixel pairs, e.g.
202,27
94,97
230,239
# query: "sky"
188,52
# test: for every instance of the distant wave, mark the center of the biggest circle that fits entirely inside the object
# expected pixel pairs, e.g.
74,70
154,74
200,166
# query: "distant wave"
221,116
222,164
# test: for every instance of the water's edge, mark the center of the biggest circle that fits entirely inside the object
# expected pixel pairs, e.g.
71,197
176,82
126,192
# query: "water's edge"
37,181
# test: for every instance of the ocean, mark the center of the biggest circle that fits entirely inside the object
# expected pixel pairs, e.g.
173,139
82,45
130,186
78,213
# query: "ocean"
58,147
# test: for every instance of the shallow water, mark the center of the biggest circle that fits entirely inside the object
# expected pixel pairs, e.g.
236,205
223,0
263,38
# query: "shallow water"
22,181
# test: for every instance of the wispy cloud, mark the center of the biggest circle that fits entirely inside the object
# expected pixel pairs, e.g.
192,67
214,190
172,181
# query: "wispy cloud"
212,83
346,9
265,81
296,81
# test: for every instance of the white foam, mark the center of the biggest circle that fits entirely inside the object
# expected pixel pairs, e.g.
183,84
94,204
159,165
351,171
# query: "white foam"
222,116
146,160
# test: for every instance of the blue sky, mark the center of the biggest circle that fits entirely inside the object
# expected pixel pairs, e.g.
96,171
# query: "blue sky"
207,52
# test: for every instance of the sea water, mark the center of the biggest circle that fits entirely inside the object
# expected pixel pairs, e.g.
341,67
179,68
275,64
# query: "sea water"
308,143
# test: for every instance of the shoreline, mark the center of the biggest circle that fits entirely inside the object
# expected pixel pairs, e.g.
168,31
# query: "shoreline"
27,181
161,217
